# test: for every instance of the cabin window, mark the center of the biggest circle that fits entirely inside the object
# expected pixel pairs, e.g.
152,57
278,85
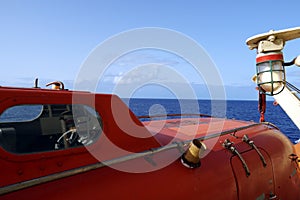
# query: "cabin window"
36,128
21,113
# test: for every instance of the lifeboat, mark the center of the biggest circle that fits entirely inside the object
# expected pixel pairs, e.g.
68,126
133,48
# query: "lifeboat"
92,154
55,146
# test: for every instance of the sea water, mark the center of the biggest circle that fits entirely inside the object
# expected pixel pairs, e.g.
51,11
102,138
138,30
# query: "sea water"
240,110
234,109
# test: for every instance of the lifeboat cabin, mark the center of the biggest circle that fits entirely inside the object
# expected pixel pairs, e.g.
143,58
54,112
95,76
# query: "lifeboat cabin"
62,144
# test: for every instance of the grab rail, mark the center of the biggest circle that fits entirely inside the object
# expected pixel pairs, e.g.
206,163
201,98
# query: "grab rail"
71,172
174,115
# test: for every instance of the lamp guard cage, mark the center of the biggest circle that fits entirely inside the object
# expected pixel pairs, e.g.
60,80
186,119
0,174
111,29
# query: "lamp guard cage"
272,82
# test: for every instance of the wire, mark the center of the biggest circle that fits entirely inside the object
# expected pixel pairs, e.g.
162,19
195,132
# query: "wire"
289,63
292,87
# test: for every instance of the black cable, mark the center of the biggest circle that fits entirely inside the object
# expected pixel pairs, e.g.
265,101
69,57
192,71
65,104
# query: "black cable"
292,87
289,63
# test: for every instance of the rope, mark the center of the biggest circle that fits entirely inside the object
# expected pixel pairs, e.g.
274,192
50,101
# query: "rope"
262,106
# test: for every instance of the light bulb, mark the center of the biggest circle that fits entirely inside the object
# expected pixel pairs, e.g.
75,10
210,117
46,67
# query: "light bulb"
272,85
270,76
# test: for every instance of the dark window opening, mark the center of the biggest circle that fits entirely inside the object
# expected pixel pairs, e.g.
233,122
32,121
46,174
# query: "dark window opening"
36,128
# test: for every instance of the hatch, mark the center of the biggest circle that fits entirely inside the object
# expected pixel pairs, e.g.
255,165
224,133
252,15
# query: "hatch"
259,184
252,169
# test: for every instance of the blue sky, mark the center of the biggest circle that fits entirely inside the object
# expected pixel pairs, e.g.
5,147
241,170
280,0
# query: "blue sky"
51,39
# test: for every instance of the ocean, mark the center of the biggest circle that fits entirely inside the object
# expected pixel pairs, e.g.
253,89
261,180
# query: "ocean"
239,110
232,109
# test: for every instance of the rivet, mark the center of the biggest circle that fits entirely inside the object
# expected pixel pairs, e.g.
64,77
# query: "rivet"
59,164
20,172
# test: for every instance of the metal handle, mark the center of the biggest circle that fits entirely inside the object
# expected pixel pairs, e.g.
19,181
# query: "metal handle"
251,143
229,145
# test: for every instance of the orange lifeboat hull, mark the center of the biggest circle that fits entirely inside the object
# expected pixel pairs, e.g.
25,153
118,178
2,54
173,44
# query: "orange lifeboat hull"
263,167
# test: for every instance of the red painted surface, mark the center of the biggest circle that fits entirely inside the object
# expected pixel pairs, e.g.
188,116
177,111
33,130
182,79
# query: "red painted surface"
220,176
267,57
